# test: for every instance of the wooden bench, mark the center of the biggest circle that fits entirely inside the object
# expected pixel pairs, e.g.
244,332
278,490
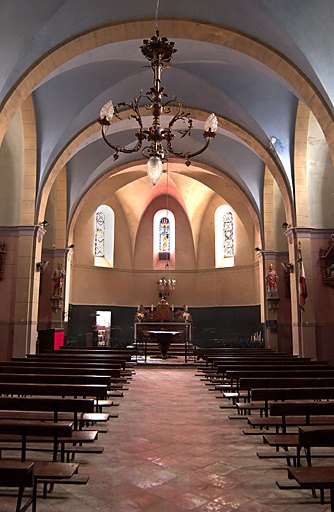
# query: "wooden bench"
206,352
51,473
14,473
78,358
96,350
61,390
213,362
229,376
20,475
79,410
117,382
310,477
304,409
236,376
113,370
24,432
320,477
260,398
249,383
56,378
306,413
65,441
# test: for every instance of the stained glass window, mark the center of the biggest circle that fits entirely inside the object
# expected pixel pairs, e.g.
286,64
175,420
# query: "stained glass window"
163,239
228,234
104,236
224,236
164,235
100,232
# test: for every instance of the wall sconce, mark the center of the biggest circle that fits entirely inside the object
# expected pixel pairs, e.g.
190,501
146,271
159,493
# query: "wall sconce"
285,225
44,224
288,267
71,246
258,250
41,266
56,303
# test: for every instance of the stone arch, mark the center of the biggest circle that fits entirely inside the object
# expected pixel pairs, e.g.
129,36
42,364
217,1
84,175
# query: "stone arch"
178,29
253,213
270,159
30,162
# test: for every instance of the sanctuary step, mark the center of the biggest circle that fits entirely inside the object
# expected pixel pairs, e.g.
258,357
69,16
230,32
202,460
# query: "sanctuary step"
176,349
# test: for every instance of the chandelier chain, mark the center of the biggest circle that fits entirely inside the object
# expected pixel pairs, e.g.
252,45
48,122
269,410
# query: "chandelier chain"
156,17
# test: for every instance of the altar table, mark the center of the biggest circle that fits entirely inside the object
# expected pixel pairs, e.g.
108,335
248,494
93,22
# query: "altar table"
164,339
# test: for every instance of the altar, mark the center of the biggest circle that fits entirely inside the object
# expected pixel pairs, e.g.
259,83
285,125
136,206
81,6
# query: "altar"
164,334
162,324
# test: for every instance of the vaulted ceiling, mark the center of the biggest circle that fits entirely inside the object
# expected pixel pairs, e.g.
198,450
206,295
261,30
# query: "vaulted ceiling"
249,61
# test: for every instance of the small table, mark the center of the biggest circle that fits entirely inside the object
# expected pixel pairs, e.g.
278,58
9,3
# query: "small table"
164,339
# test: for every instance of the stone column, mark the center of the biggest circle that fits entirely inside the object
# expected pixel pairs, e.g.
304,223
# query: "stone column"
303,320
26,294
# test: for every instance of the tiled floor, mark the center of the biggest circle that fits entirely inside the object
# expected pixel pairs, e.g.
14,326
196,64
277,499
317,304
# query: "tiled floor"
173,450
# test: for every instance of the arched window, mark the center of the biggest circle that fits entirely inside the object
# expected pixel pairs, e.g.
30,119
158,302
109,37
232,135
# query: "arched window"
164,235
104,236
224,236
163,239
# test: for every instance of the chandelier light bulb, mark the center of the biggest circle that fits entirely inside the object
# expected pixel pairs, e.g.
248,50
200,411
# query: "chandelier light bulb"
154,169
107,111
211,124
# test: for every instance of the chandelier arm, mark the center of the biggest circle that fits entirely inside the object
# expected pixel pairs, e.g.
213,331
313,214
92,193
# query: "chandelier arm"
181,116
191,155
131,106
120,149
166,107
188,155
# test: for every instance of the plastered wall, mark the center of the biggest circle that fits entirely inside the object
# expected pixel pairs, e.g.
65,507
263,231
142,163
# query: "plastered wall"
133,280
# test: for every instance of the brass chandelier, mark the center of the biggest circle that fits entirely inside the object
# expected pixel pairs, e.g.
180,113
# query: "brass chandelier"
166,284
156,142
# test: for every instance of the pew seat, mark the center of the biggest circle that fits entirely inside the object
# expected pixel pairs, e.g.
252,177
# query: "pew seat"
17,474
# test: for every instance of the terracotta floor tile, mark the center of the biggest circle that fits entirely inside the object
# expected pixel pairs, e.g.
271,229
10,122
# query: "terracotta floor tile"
173,449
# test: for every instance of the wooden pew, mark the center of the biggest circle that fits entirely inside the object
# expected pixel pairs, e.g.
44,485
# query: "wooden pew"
236,376
14,473
266,395
56,378
19,475
77,363
79,410
299,414
79,358
96,350
216,361
223,372
318,477
61,390
205,352
293,381
37,432
66,441
116,375
306,410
